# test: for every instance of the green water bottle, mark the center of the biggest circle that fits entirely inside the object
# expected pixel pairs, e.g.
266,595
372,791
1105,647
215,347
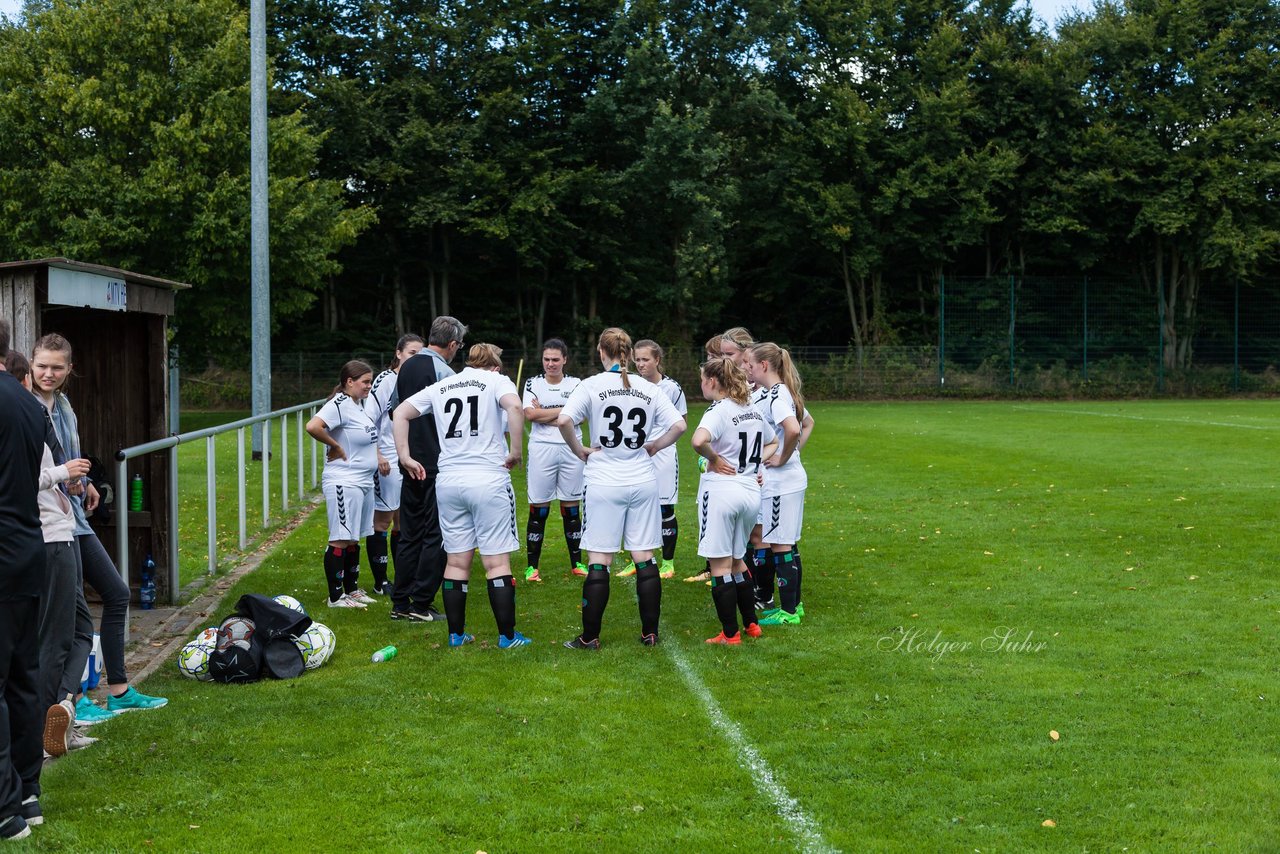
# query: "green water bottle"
135,493
385,654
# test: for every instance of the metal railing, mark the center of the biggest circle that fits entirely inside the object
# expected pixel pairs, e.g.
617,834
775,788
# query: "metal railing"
301,413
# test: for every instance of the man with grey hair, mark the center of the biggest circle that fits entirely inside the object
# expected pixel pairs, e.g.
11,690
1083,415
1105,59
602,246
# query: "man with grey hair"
420,558
22,574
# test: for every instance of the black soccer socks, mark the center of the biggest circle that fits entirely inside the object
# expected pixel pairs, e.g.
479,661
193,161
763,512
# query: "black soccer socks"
784,565
502,599
335,561
572,519
376,546
724,593
454,593
534,533
648,595
670,530
760,562
595,596
746,593
351,569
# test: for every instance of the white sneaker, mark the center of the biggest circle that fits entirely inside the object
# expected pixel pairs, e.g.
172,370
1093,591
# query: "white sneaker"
362,597
346,602
77,740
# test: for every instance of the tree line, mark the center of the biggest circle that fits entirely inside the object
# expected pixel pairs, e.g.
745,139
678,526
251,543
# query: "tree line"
808,168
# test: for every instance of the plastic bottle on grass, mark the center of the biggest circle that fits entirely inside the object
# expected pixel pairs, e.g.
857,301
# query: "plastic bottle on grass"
385,654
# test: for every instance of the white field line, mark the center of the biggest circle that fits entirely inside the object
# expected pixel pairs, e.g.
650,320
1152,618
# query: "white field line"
810,835
1183,421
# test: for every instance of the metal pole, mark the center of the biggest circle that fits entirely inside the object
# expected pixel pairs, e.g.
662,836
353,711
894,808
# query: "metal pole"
175,427
241,477
284,462
298,427
122,531
313,453
211,491
175,581
1160,331
266,472
260,268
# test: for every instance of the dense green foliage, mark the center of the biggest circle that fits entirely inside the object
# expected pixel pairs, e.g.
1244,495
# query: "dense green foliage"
809,169
1146,591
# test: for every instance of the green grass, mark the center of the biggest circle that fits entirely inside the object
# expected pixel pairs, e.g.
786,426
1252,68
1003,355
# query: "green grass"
1133,542
193,502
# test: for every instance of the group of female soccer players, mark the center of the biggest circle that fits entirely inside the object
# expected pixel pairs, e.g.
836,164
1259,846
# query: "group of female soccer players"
617,487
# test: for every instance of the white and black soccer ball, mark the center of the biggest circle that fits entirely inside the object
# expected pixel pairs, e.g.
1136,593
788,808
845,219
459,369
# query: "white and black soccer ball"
235,631
193,660
316,645
208,636
290,602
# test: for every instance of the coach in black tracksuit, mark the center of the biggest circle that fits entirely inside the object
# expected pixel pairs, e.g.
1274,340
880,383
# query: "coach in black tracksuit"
22,576
420,558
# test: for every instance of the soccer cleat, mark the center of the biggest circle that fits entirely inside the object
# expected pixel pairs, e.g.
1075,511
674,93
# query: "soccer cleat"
579,643
14,827
76,740
705,575
133,700
649,639
89,713
430,615
461,639
780,618
753,630
57,723
515,640
580,570
799,609
345,601
361,597
668,570
531,574
628,571
722,638
766,604
30,811
383,589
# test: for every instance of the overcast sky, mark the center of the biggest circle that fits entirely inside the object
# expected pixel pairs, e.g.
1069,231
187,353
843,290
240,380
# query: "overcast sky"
1047,10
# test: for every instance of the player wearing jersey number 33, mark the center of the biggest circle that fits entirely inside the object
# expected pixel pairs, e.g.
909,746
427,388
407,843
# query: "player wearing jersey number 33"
621,501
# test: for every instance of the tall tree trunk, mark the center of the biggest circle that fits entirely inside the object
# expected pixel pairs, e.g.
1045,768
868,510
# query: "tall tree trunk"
431,272
876,323
853,306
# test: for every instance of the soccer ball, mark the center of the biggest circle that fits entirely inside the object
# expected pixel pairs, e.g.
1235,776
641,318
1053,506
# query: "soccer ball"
235,631
193,660
316,645
209,637
290,602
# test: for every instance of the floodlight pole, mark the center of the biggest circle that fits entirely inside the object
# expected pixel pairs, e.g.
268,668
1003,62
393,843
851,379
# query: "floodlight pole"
259,243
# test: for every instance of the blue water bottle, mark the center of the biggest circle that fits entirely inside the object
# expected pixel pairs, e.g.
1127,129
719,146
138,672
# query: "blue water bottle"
147,593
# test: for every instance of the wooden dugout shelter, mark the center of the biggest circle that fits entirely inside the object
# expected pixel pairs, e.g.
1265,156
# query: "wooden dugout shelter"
117,323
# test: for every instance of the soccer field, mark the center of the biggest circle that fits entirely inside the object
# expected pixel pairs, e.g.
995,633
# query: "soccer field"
978,578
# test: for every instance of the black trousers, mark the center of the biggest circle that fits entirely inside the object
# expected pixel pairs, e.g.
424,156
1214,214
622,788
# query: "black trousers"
21,718
420,559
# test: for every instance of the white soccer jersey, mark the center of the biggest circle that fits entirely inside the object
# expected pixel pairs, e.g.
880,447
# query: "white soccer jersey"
349,424
622,421
549,397
738,433
675,393
381,401
470,421
776,405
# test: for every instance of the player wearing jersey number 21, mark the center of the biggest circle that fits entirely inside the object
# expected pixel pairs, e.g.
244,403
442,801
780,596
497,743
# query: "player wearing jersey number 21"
621,500
473,488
